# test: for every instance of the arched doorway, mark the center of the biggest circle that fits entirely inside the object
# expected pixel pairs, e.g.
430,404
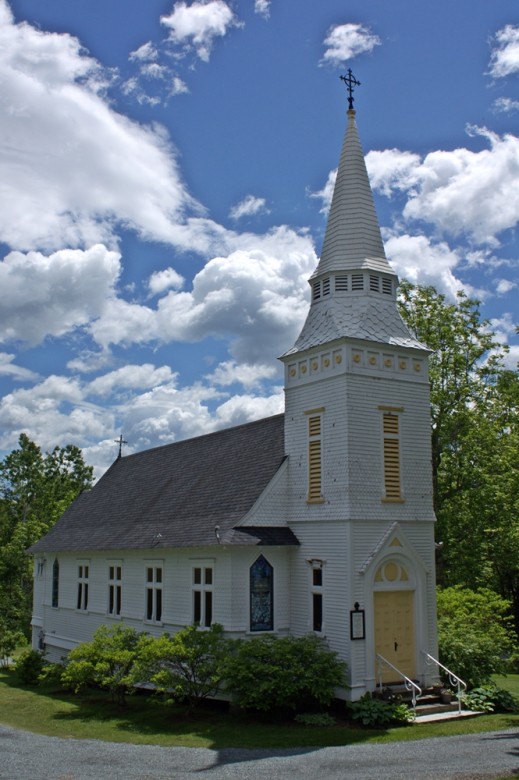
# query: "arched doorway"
394,619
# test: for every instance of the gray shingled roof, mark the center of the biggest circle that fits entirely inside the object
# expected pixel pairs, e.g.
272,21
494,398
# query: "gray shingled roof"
355,317
174,496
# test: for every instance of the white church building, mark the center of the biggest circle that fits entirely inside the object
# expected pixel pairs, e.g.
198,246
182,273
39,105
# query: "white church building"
317,520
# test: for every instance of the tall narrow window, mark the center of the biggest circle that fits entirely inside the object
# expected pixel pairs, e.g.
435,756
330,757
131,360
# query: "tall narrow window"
314,459
114,589
55,583
154,593
203,595
391,447
82,586
261,595
317,599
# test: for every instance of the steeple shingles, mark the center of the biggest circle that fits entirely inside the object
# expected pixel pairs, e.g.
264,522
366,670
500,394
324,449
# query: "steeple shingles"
352,240
353,286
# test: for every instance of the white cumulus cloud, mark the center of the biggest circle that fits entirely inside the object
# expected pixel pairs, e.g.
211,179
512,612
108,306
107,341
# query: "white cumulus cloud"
51,295
346,41
505,55
249,207
64,173
196,26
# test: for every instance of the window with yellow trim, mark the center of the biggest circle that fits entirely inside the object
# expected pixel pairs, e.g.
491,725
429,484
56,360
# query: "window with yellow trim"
391,454
314,459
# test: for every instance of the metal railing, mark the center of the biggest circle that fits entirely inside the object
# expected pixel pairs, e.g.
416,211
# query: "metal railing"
410,685
453,679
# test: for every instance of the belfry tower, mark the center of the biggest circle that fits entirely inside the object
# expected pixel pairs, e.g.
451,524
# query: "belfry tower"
357,436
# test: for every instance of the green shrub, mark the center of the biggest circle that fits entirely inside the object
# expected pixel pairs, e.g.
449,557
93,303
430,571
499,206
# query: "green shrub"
475,633
185,666
286,673
29,666
51,674
489,698
107,661
375,713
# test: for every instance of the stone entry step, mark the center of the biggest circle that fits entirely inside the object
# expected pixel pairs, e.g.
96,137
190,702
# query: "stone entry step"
429,706
436,716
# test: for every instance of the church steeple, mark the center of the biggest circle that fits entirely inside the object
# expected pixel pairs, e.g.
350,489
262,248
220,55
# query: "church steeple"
353,287
352,239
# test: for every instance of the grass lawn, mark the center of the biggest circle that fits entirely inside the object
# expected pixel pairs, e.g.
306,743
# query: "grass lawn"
143,721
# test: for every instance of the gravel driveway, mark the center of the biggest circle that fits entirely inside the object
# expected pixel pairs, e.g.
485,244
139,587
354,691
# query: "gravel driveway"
26,756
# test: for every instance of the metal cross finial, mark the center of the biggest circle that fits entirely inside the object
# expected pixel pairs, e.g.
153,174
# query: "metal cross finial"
350,82
120,441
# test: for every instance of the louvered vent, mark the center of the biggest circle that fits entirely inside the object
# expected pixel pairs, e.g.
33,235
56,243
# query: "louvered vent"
357,281
326,286
391,457
374,283
341,284
314,459
387,286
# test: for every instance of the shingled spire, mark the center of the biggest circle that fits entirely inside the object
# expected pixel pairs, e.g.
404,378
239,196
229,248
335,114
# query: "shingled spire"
352,239
353,287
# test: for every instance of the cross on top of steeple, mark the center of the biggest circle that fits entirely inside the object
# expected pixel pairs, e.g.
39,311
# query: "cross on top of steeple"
350,82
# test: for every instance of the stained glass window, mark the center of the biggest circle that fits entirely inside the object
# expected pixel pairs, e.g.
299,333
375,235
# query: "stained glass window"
55,582
261,595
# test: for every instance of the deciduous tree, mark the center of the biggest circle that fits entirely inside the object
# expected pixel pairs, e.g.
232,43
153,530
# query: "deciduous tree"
35,489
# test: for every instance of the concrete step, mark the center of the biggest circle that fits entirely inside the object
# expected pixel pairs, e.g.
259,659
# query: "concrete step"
437,716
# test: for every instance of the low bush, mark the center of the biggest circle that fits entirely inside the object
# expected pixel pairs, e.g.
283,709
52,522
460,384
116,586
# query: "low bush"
284,673
489,698
107,661
186,666
376,713
29,666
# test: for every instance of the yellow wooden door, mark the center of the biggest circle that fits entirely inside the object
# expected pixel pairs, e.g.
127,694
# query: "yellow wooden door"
395,632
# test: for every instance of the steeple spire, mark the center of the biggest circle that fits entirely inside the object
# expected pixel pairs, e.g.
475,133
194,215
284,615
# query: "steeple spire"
353,286
352,239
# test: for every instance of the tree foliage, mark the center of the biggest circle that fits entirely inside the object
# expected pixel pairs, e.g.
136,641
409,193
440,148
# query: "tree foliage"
475,442
35,490
475,633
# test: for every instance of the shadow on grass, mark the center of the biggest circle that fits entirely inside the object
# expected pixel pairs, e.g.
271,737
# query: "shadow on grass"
147,720
144,720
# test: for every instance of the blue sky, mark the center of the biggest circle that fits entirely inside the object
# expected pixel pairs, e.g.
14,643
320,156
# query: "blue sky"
165,170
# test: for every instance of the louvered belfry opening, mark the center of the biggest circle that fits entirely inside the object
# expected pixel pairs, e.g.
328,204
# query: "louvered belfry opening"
391,456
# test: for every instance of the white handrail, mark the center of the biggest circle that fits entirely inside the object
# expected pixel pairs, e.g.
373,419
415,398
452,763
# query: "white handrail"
453,678
409,684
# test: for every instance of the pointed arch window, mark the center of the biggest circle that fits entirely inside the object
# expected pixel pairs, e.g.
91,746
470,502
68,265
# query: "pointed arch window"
261,595
55,583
